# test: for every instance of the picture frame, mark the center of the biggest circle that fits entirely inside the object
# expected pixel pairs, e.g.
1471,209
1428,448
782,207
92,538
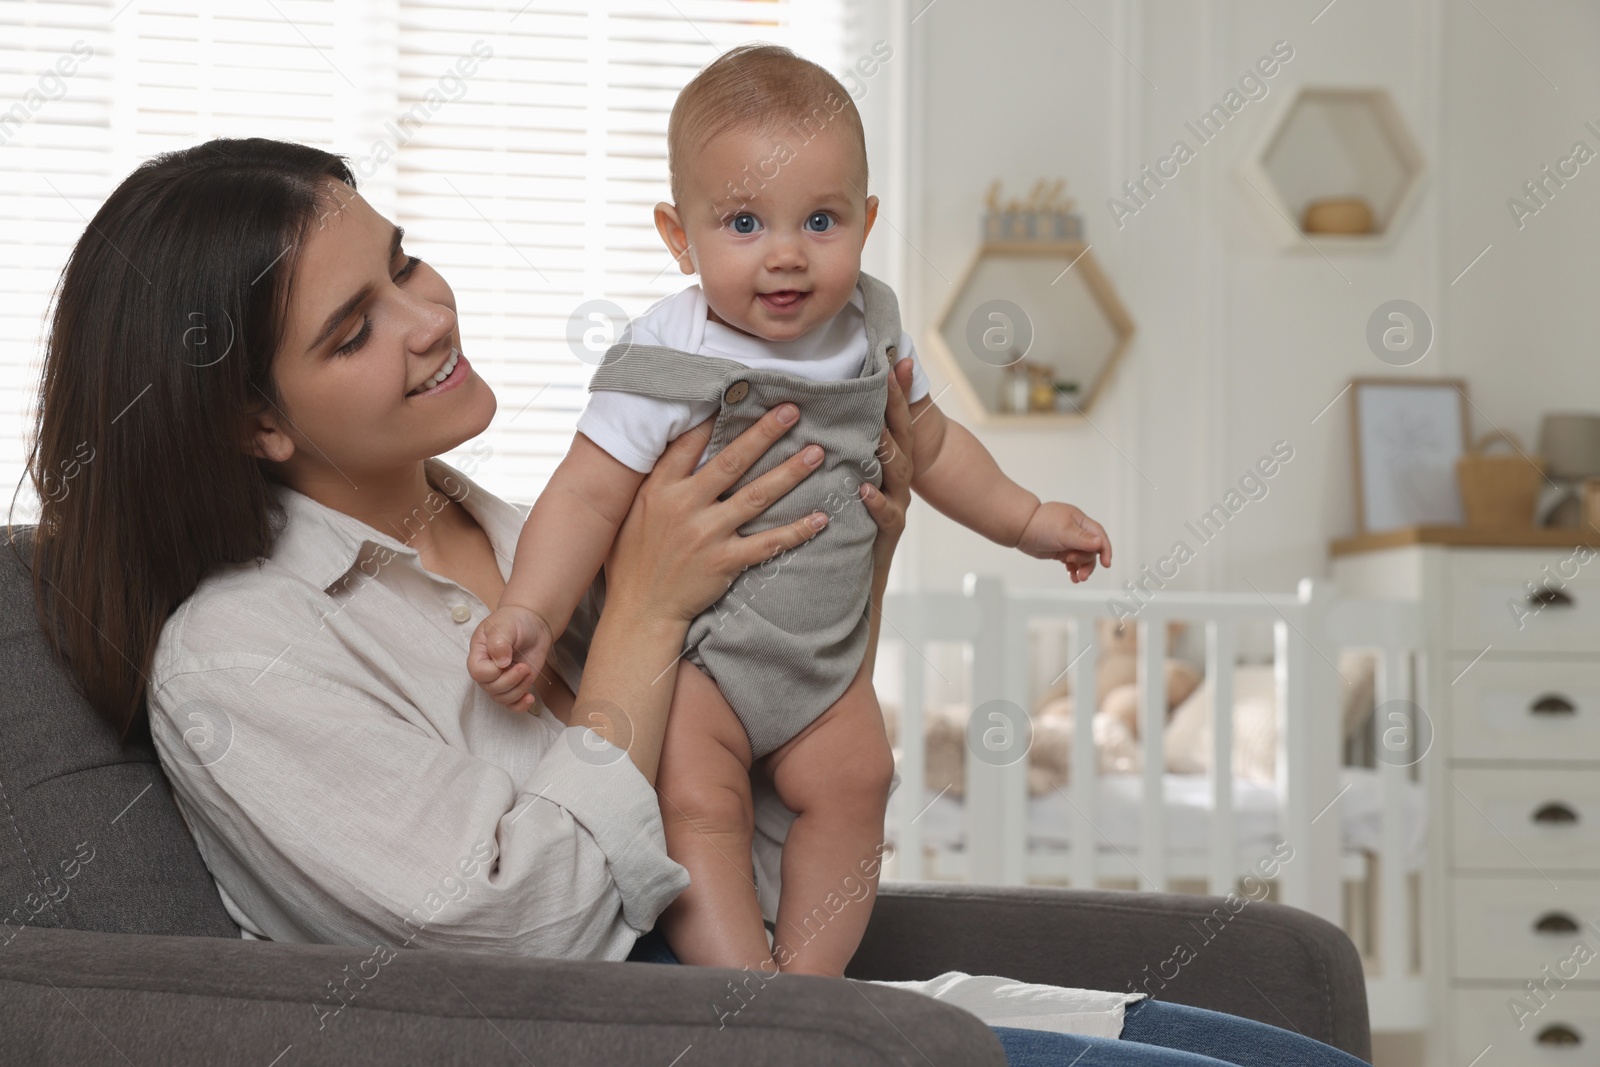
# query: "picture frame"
1407,434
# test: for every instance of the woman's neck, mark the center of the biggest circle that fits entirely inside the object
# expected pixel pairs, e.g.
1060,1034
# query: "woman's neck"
402,504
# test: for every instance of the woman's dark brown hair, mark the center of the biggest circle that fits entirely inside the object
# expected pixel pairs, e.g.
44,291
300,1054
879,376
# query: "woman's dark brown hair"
161,342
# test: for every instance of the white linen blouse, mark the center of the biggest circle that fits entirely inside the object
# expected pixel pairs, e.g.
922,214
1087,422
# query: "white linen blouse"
347,782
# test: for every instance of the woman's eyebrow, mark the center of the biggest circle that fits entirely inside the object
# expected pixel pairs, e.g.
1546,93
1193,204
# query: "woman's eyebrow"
343,311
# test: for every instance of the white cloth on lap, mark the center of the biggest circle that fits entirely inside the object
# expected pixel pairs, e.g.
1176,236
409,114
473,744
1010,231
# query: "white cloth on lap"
1029,1006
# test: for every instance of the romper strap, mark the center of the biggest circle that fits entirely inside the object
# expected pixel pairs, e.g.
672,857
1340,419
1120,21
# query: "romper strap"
660,371
882,313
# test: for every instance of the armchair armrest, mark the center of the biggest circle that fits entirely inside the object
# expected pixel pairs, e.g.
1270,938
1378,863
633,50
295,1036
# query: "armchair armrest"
78,997
1275,964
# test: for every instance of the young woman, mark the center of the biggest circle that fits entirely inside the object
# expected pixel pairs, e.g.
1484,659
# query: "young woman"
245,524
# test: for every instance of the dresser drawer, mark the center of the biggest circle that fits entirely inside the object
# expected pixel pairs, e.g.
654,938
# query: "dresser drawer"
1490,601
1508,820
1562,1032
1511,928
1517,709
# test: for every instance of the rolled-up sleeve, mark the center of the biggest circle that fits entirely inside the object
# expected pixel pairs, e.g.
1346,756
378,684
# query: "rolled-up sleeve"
327,816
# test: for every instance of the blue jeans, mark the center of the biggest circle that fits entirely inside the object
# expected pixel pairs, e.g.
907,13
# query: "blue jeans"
1155,1033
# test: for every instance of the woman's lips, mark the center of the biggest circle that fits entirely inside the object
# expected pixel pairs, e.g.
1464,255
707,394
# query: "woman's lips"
457,376
784,300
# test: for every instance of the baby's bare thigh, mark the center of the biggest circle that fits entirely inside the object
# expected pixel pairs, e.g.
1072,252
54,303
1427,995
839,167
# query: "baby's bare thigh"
848,736
704,734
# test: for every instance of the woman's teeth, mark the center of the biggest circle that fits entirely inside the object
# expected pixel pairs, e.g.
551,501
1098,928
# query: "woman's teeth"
444,372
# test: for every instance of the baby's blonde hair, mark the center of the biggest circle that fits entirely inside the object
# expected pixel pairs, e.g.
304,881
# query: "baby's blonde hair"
762,88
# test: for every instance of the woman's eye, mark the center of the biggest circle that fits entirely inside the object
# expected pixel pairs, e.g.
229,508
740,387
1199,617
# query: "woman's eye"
820,222
412,263
358,340
743,223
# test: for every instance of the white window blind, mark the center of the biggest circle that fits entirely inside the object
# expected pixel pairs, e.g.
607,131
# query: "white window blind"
523,147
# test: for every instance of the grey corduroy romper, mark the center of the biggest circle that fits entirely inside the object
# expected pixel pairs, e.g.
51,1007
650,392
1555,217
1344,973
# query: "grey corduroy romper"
786,639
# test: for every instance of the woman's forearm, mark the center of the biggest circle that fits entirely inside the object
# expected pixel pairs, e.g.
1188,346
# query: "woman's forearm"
628,679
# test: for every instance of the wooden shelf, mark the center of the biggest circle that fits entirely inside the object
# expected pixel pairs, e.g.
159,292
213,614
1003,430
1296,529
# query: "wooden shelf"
1334,141
1076,320
1466,536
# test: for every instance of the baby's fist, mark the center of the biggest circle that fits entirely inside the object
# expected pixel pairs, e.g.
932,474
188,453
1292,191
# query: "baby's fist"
508,650
1062,532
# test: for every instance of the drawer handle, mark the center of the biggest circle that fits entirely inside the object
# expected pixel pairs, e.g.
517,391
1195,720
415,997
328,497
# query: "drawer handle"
1555,812
1556,922
1549,597
1559,1034
1553,704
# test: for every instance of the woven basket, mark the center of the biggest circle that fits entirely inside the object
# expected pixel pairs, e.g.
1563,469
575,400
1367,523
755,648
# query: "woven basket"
1499,490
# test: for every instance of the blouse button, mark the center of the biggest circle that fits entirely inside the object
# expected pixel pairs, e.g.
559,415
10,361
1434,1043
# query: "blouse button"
736,392
461,613
890,352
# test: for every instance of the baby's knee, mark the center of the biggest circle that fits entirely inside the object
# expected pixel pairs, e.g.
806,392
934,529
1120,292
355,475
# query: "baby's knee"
707,806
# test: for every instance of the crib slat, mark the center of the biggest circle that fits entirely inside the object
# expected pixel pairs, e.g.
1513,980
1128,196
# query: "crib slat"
1293,761
913,750
1015,798
1152,678
1397,738
997,791
1082,789
1221,644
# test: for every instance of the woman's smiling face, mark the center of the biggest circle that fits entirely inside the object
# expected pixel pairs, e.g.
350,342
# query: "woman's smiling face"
368,330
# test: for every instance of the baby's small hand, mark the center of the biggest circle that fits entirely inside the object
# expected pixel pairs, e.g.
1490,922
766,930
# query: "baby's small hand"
508,650
1062,532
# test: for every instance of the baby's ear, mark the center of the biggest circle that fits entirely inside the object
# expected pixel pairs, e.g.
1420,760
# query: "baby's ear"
670,226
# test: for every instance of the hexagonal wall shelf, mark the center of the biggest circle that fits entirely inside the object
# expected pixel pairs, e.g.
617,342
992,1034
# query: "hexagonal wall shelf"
1332,144
1044,302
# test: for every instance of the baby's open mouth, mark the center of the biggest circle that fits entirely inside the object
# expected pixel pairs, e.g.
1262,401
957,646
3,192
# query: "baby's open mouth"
783,299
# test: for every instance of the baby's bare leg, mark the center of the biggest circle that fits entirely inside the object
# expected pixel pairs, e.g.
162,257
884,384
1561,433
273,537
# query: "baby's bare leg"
704,783
835,776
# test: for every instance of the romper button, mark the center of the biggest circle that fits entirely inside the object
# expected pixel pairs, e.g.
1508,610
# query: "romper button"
461,613
736,392
890,351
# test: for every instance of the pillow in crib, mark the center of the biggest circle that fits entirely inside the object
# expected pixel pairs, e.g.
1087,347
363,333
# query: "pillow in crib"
1255,719
1255,728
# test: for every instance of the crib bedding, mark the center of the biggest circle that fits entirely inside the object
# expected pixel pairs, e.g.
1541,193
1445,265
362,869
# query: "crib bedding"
1119,805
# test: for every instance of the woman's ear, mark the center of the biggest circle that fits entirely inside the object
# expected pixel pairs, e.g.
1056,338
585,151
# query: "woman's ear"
670,227
264,438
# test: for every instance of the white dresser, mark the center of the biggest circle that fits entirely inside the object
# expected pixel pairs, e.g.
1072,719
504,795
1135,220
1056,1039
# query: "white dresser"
1511,913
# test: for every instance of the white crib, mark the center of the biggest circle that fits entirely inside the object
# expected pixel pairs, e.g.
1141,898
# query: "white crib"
1366,889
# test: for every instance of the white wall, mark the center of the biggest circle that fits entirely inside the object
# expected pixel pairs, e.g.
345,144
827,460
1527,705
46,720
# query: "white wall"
1240,343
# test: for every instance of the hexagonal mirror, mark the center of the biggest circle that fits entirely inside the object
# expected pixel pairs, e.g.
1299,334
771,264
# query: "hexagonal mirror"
1032,332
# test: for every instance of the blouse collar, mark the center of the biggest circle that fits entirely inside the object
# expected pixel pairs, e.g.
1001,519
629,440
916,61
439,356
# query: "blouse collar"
322,544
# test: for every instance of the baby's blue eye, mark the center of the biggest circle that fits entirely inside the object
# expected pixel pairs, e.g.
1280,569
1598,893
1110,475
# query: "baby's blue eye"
743,223
825,225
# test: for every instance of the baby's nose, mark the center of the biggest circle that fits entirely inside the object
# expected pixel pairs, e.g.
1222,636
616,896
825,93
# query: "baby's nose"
787,252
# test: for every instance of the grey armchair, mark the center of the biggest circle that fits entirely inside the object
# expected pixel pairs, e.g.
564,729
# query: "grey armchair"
115,947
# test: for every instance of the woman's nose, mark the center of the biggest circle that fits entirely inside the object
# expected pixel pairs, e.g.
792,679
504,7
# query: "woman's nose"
433,322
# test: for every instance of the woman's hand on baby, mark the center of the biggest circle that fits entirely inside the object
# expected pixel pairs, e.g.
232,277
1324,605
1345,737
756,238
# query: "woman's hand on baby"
888,505
679,548
508,650
1062,532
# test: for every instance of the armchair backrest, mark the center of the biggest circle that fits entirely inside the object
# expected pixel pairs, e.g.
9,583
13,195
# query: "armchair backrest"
90,837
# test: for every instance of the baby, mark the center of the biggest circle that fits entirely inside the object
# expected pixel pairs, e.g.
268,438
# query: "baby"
769,173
